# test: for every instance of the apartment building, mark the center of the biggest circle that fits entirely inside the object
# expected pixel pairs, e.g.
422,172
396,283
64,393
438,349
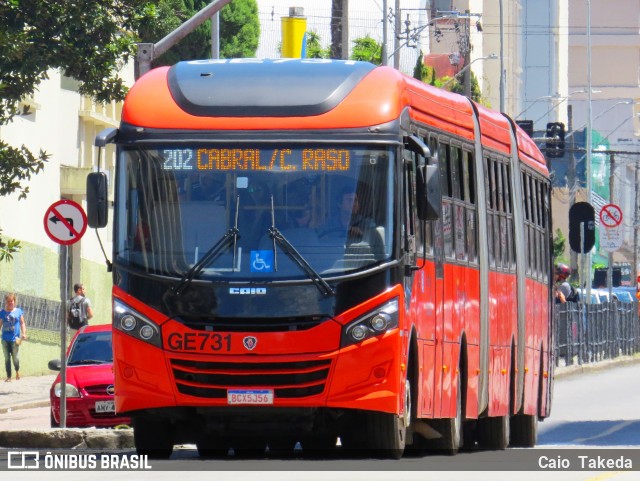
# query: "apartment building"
615,97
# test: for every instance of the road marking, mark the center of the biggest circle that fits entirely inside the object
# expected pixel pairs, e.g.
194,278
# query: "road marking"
609,431
605,476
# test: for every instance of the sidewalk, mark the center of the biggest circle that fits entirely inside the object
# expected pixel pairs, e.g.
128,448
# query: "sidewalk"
28,392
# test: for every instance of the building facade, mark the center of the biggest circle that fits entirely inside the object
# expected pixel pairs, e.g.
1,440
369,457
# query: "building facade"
62,123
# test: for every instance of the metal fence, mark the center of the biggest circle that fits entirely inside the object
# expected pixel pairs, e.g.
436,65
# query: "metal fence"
594,332
38,313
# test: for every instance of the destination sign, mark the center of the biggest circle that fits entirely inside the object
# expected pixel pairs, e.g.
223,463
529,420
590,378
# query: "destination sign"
223,159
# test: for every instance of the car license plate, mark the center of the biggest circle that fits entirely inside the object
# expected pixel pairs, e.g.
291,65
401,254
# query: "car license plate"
250,396
105,407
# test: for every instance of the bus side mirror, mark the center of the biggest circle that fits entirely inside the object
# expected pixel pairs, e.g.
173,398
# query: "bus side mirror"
97,198
432,198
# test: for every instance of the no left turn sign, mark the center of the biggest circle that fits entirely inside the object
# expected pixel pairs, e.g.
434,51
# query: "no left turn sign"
65,222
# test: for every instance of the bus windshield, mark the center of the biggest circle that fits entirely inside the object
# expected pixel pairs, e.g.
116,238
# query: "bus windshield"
218,207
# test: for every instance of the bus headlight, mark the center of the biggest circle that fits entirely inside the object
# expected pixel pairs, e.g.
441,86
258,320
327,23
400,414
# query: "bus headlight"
372,324
126,320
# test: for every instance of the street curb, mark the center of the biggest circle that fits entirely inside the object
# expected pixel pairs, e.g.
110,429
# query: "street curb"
26,405
566,371
68,439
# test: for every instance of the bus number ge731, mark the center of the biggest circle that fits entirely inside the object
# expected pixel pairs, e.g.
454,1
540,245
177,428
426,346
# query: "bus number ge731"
199,341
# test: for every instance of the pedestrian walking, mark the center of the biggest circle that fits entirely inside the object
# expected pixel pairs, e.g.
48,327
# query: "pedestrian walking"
79,311
563,290
14,331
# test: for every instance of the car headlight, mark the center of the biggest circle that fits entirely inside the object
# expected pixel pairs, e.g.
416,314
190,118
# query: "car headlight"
372,324
70,390
126,320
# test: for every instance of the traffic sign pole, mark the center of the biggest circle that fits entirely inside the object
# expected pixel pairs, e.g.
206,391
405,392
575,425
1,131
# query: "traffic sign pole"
65,222
64,252
611,237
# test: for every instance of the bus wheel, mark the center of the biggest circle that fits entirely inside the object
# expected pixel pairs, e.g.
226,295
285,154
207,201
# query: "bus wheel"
450,428
152,437
493,432
387,432
523,431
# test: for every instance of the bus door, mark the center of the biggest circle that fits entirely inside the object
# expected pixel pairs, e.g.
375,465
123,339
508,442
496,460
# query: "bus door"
439,280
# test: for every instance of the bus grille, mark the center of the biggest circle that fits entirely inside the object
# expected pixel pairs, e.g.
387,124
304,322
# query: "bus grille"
287,379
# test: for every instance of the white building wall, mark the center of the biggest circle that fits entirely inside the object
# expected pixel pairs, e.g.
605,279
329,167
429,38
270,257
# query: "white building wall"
543,95
63,124
53,128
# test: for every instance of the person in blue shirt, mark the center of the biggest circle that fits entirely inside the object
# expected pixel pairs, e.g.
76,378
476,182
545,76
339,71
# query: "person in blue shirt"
13,330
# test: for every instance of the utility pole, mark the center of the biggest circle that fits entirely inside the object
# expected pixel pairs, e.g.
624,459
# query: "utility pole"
467,54
502,70
385,34
215,35
340,29
571,181
612,161
636,220
397,28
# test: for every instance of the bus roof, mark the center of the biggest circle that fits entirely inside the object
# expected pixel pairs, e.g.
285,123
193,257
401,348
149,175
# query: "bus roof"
305,94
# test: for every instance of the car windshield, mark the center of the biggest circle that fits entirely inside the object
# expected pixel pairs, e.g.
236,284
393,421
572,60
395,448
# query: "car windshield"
91,348
178,205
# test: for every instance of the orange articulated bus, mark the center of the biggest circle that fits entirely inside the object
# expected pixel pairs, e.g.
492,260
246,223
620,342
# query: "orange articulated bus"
307,250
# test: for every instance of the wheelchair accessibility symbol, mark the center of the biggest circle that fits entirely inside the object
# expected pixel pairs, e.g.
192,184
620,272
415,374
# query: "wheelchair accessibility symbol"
261,261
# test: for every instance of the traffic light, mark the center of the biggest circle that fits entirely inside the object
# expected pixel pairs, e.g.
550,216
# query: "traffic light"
527,126
582,240
554,146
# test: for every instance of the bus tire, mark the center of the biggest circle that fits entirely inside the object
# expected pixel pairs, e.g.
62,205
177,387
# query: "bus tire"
451,428
376,434
493,432
386,435
388,432
523,430
152,437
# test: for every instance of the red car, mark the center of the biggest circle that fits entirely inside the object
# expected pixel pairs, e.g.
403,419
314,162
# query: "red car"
90,379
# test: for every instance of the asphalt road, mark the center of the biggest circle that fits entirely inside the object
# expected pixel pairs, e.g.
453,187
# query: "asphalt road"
594,413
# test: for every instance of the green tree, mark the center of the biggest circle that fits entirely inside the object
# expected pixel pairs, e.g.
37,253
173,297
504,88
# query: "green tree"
367,49
457,86
559,244
314,48
423,72
167,15
239,30
89,41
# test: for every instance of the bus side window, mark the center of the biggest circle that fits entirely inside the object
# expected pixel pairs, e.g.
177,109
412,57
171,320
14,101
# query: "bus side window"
469,198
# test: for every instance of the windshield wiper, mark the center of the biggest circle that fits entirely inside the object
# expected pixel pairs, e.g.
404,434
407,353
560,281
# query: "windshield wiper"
277,237
231,236
88,361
